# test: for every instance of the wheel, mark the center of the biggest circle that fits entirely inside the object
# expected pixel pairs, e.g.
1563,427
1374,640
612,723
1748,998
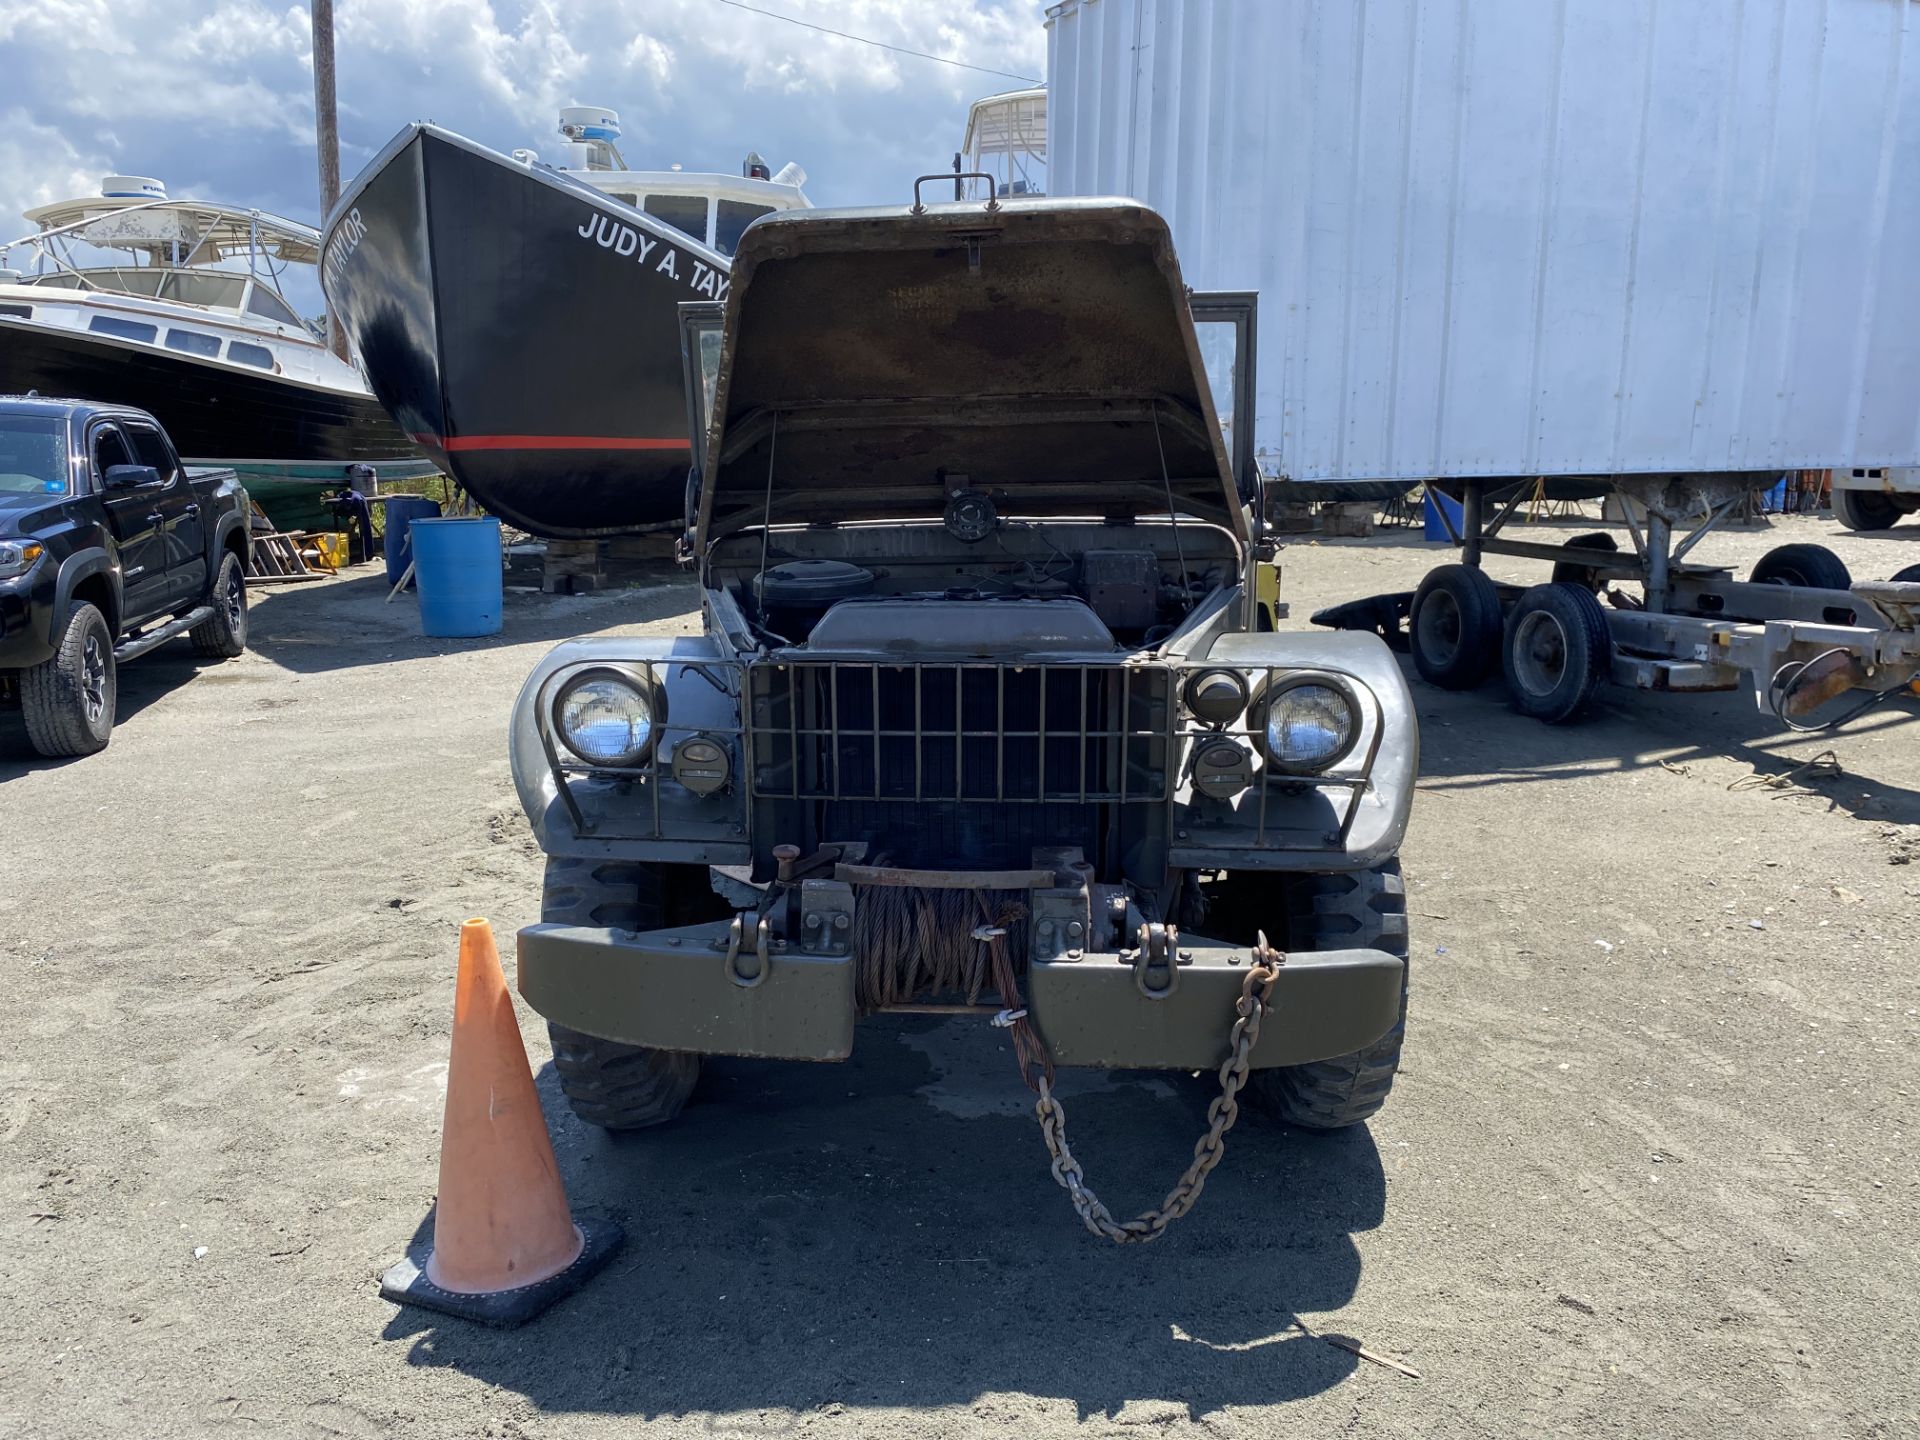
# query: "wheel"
1365,910
615,1086
1908,575
1582,574
1813,566
1557,652
67,702
1866,509
223,634
1454,627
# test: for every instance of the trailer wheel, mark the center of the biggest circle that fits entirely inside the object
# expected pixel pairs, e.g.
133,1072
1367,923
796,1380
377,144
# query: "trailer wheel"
1585,574
1557,652
1866,509
1812,566
1910,575
1454,627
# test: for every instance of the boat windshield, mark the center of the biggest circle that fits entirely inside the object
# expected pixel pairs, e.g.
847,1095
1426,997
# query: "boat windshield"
215,289
33,458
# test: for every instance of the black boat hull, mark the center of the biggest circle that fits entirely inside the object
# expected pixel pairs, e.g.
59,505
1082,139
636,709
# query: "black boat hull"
524,328
219,414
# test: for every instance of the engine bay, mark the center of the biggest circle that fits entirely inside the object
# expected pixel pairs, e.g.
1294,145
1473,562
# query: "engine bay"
1126,585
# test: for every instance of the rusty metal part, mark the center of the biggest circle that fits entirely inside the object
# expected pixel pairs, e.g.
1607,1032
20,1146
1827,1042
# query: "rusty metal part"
1825,677
1225,1109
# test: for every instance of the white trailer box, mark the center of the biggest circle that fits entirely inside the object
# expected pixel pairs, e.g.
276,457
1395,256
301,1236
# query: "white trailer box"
1522,237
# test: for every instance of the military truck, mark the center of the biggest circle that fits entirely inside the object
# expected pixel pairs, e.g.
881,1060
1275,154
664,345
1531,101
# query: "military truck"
983,716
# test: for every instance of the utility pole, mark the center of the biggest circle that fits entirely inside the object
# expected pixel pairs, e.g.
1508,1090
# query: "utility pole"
327,131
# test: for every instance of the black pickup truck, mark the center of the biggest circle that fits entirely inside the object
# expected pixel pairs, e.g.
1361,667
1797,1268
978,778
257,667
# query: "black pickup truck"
109,547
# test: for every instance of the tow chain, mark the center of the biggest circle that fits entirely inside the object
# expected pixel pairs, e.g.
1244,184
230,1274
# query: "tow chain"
1208,1149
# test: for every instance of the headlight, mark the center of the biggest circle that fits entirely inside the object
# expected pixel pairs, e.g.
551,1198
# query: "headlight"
1309,724
1217,696
608,718
18,556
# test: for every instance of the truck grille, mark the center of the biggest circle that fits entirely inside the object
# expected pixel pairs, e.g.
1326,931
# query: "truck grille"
1049,735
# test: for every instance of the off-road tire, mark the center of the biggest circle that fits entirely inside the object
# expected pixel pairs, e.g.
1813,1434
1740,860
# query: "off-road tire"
1363,910
66,702
1866,509
223,634
1906,576
1813,566
614,1086
1557,652
1570,573
1453,627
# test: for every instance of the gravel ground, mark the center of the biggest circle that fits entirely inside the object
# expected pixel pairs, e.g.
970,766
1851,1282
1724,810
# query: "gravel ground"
1647,1171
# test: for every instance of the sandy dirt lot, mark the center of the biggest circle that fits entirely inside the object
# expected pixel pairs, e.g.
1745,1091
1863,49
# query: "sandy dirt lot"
1649,1169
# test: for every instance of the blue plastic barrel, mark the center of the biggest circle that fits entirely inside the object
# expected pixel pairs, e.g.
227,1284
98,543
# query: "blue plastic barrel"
457,562
1435,528
401,513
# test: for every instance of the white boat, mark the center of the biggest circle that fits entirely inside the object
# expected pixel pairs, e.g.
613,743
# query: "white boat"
177,306
711,207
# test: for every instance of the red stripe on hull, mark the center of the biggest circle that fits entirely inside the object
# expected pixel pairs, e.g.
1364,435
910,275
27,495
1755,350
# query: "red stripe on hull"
453,444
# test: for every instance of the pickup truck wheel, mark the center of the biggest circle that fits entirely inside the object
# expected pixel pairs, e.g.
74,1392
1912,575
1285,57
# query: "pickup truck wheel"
615,1086
223,634
1363,910
67,702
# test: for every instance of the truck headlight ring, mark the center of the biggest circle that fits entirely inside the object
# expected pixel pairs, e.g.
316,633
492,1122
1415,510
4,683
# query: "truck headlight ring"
609,718
1306,723
1217,697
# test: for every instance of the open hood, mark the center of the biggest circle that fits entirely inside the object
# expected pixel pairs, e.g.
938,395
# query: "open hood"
875,360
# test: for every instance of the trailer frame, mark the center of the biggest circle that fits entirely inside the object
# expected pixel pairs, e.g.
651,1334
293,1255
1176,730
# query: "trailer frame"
1693,627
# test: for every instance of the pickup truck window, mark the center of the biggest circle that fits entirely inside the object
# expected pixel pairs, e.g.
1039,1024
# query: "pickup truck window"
33,456
151,449
125,329
109,449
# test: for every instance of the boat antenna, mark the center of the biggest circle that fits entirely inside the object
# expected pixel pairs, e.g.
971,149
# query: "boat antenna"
1166,484
766,508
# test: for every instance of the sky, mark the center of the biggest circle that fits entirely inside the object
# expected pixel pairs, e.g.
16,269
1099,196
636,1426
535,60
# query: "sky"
215,98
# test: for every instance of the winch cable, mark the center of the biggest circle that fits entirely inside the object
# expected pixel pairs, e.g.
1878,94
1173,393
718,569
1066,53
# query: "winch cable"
1030,1050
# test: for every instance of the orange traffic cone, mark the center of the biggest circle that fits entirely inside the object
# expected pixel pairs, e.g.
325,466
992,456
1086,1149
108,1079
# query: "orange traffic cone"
504,1245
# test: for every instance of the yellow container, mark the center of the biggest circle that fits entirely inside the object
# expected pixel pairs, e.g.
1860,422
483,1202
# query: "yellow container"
332,545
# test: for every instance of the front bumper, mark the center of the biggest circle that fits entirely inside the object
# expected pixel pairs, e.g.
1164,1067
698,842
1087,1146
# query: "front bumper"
26,618
677,989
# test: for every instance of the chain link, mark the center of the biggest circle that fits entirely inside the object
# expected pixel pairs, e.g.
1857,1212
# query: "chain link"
1225,1109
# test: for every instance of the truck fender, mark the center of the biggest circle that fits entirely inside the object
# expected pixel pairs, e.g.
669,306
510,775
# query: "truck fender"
79,566
231,521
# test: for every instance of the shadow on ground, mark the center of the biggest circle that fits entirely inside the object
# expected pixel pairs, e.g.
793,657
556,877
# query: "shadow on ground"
315,628
139,684
886,1233
1472,740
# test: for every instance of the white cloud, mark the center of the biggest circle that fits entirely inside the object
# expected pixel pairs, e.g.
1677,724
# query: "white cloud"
38,165
218,95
